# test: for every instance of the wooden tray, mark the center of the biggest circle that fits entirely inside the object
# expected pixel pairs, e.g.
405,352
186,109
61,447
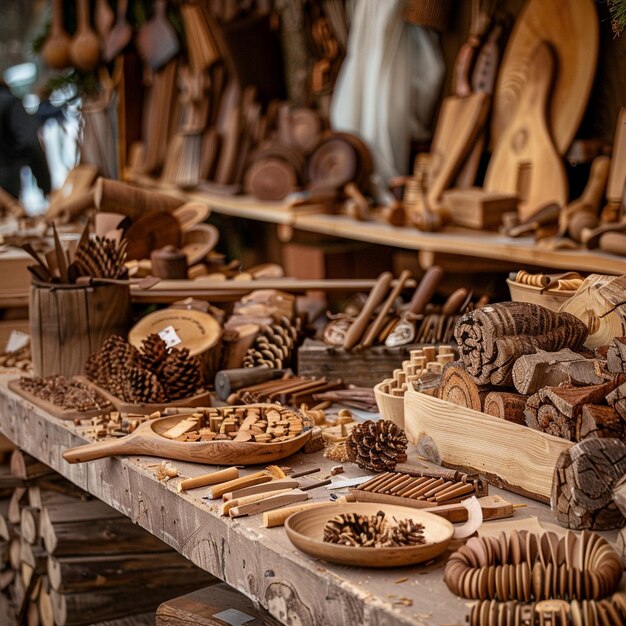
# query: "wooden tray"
55,410
147,440
202,398
305,530
505,454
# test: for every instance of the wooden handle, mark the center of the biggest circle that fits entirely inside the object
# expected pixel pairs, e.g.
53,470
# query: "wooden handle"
122,9
455,301
82,12
426,289
159,9
229,381
596,185
257,497
376,296
462,67
230,473
101,450
378,323
613,242
57,17
278,517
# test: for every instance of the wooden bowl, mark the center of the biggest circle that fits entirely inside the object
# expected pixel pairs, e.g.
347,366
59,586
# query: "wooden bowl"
549,298
390,407
306,528
148,440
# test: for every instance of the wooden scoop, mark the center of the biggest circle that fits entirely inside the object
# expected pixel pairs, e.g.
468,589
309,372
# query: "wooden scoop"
56,50
85,47
156,40
148,440
120,35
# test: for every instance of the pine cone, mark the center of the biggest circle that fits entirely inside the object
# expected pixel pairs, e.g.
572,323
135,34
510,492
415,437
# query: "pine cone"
115,358
153,352
377,446
182,375
273,346
141,386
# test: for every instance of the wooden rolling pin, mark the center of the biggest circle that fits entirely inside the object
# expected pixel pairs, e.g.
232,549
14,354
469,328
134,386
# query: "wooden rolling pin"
229,381
230,473
375,298
426,289
278,516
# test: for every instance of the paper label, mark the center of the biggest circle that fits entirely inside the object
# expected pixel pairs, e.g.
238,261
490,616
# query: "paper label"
234,617
17,340
169,335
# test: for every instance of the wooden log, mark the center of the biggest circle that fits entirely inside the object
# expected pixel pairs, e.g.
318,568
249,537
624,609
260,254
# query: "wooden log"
458,387
616,356
506,405
229,381
34,556
599,421
26,467
29,524
617,399
46,611
583,487
14,513
89,573
32,614
531,372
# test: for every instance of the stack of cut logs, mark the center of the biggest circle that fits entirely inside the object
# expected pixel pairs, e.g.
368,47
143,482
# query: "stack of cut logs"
70,560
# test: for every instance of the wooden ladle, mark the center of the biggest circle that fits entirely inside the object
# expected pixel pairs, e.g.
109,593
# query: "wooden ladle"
85,47
56,50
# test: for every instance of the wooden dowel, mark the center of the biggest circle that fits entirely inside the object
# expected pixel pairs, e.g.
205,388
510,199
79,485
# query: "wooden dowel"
245,481
230,473
269,503
273,485
257,497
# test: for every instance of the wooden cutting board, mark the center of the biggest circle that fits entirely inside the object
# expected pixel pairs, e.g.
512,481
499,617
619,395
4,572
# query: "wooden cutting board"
571,28
459,123
526,144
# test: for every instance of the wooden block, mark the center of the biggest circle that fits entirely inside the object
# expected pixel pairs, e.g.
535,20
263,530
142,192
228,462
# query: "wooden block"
478,208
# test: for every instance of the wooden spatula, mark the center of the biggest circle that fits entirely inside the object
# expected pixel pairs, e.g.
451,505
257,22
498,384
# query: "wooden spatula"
156,40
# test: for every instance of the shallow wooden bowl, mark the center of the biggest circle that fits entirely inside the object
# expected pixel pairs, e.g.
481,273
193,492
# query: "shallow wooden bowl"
306,528
148,440
549,298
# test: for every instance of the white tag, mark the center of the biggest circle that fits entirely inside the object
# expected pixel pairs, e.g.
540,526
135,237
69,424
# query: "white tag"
17,340
234,617
168,334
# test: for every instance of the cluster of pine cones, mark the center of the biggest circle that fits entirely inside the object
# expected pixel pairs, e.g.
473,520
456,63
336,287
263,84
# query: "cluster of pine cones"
151,374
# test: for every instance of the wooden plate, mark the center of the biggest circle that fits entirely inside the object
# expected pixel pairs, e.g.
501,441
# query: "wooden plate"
197,330
305,530
147,440
55,410
190,214
198,241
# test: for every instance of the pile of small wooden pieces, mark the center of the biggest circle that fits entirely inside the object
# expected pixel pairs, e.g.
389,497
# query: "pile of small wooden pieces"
113,424
18,359
67,394
529,567
373,531
422,371
260,424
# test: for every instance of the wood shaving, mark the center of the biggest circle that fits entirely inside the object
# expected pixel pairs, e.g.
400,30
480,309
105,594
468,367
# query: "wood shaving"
165,471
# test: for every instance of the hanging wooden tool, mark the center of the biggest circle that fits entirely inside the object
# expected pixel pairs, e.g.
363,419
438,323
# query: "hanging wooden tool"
156,39
56,49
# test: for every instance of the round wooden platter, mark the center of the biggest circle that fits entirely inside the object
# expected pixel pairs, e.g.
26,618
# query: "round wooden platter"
148,440
191,214
198,331
198,241
306,528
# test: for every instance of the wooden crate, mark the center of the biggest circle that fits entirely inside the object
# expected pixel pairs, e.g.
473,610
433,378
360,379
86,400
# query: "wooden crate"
205,606
508,455
365,368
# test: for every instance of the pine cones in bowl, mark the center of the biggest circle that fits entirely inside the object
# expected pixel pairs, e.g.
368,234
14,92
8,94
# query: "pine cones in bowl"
151,375
378,446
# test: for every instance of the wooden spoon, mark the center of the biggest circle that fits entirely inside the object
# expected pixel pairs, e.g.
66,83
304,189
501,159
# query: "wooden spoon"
56,50
120,34
156,40
85,47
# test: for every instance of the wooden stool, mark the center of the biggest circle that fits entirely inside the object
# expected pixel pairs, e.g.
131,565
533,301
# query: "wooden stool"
216,605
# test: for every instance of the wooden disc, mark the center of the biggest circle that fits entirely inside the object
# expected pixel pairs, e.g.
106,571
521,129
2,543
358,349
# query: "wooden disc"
290,154
270,179
366,162
190,214
305,128
198,331
334,163
154,229
199,241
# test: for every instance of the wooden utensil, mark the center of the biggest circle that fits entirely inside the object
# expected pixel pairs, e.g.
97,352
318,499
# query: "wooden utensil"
156,39
147,440
56,50
120,35
376,296
305,531
85,46
526,144
213,478
61,261
543,216
614,242
570,28
103,18
154,229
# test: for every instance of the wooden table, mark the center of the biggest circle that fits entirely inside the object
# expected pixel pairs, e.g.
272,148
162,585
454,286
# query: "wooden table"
259,562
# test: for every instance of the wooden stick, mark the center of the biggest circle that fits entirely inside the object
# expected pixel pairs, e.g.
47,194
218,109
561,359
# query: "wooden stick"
273,485
245,481
269,503
230,473
257,497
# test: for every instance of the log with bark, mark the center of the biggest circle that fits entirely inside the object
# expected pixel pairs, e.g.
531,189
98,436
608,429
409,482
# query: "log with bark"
458,387
506,405
493,337
616,355
531,372
583,484
558,410
617,400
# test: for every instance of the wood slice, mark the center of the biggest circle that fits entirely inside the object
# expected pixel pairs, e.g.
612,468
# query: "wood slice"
505,405
270,179
153,230
571,28
305,128
190,214
458,387
333,164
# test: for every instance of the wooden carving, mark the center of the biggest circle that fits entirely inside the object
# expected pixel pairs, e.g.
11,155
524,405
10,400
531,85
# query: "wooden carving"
493,337
582,489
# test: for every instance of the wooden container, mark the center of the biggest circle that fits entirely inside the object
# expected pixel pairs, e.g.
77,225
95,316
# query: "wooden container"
549,298
508,455
70,322
390,407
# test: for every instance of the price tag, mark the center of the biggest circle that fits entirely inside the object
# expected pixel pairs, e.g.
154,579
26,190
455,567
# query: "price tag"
17,340
169,335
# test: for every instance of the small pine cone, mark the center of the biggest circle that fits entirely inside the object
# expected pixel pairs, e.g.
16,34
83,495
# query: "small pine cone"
115,358
153,352
142,386
378,446
273,346
182,375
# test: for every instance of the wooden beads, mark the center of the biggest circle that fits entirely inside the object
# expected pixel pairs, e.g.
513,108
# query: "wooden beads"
528,567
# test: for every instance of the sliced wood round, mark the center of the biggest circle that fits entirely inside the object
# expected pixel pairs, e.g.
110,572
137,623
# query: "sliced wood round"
270,179
334,163
305,530
190,214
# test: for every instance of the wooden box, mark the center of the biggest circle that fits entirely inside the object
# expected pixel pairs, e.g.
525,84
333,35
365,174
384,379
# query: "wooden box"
212,606
364,368
508,455
476,208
